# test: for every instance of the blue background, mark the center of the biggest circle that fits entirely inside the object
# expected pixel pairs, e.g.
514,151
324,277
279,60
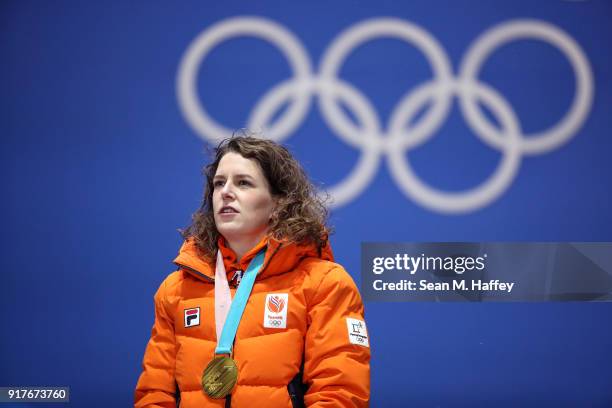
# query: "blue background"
99,168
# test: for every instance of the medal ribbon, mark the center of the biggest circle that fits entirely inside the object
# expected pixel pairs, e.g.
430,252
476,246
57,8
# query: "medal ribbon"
230,325
223,296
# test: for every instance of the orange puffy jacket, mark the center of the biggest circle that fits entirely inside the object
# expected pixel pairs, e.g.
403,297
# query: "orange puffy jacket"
324,333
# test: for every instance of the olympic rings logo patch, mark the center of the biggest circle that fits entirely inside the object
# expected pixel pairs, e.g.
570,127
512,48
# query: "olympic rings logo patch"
275,310
393,139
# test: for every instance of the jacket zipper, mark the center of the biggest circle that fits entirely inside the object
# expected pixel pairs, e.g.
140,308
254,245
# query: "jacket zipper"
195,272
228,399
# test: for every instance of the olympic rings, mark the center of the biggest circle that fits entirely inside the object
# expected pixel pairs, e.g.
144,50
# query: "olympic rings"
400,134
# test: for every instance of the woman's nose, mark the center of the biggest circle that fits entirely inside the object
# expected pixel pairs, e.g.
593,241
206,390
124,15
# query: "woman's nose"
227,190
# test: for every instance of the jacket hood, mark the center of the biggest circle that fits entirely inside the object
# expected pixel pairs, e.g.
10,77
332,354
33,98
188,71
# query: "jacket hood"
280,257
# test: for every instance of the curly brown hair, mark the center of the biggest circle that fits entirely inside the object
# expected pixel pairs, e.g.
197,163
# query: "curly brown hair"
300,215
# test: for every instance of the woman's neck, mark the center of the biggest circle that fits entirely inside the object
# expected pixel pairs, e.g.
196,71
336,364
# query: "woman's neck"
244,245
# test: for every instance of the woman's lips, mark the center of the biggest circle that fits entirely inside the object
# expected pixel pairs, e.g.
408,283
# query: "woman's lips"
227,209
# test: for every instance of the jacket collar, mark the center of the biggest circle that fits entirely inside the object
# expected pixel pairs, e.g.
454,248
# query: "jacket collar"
280,257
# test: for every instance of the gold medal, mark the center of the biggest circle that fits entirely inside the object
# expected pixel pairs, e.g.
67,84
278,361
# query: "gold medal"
220,376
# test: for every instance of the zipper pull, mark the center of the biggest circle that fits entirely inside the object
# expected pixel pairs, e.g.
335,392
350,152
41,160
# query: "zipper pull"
237,277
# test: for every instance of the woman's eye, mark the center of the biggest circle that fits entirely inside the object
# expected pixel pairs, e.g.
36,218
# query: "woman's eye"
218,183
244,183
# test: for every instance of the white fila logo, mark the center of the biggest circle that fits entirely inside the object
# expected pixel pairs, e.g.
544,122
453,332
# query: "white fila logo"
275,313
192,317
357,332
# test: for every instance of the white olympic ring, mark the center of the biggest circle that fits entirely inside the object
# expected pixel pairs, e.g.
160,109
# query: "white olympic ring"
400,134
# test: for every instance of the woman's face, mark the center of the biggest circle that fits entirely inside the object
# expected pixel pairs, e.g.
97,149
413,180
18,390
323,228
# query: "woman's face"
242,202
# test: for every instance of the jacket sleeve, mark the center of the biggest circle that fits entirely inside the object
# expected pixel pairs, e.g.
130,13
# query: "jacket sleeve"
156,386
337,354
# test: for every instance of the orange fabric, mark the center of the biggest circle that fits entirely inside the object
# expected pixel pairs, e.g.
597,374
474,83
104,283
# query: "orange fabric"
232,264
321,296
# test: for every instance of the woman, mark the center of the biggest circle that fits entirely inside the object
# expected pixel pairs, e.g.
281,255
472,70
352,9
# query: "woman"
258,314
